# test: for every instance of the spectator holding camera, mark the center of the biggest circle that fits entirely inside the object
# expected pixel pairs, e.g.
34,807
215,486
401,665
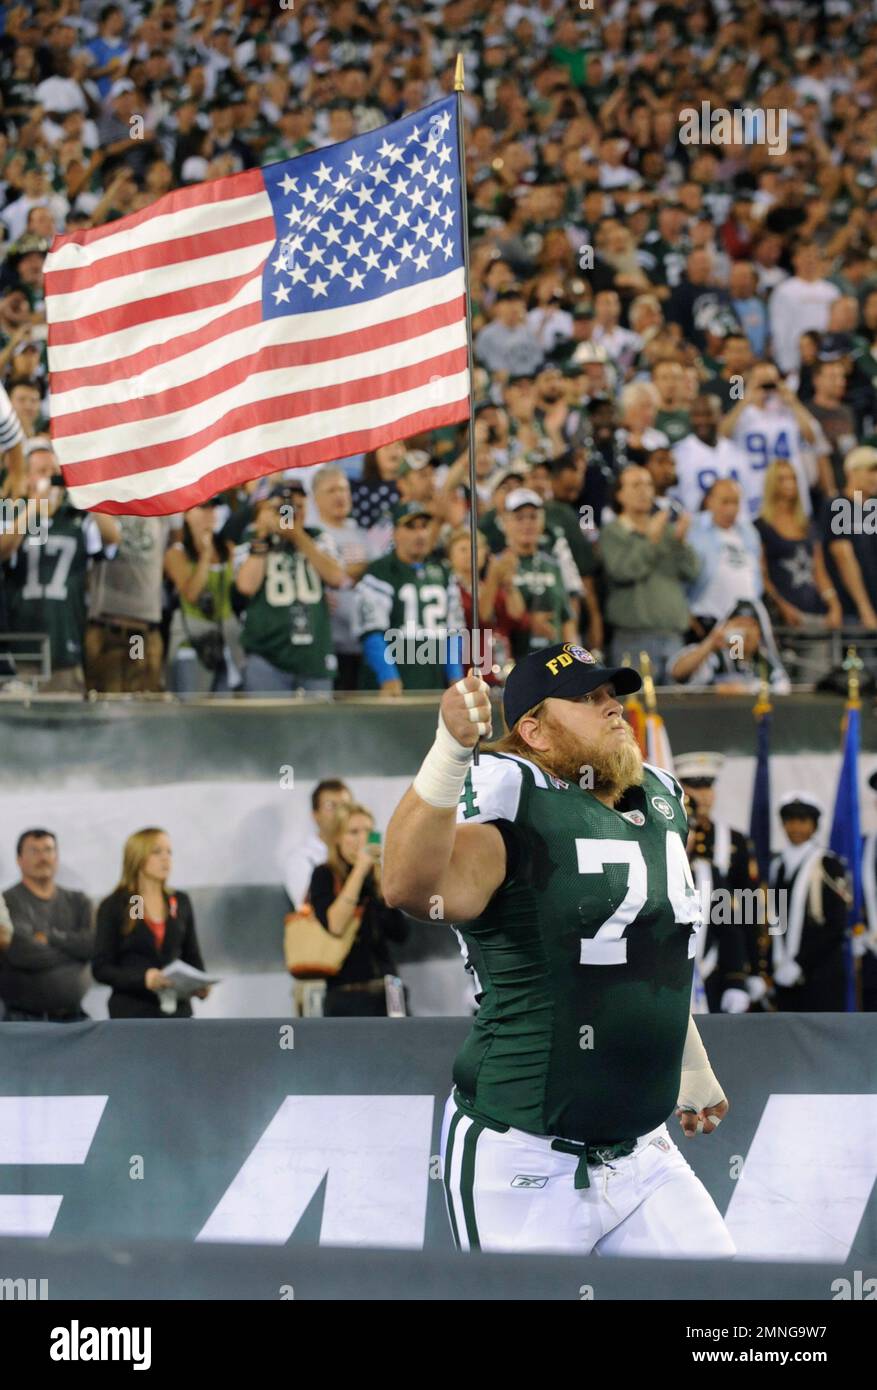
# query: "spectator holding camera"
729,657
647,561
46,574
46,939
348,885
283,568
142,926
204,653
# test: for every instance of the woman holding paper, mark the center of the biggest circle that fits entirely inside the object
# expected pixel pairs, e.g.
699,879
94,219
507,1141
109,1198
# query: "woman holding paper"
142,927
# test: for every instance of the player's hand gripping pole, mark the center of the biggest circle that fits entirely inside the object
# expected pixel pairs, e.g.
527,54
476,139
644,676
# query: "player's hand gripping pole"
464,717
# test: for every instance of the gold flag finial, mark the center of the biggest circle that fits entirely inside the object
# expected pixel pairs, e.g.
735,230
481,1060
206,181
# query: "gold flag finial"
762,704
459,75
853,665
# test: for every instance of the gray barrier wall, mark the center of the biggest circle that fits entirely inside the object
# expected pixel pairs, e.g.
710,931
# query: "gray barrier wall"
326,1132
230,781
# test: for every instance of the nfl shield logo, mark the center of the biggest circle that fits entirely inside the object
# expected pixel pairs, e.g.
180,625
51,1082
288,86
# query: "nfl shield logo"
635,817
557,782
661,1144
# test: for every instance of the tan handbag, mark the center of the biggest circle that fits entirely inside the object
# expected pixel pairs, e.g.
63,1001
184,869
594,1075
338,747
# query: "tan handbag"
311,950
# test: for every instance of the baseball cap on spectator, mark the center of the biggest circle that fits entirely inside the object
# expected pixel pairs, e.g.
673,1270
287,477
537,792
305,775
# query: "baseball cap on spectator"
403,512
590,352
862,457
36,443
285,489
119,88
517,471
833,346
523,497
583,311
413,461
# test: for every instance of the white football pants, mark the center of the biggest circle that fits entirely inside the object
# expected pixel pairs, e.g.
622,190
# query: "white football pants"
513,1192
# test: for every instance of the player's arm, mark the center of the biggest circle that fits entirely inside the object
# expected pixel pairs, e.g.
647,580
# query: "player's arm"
427,855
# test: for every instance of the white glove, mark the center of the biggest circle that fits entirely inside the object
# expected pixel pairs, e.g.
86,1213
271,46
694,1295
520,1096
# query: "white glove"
788,974
861,944
756,988
734,1001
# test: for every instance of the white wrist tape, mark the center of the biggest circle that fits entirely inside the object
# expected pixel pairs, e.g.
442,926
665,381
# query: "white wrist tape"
698,1086
443,771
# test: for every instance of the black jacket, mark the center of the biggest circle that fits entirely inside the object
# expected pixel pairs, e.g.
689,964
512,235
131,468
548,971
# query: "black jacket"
369,956
122,957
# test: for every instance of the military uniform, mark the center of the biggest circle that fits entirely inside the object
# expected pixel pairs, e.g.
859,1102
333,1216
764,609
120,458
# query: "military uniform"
809,970
732,952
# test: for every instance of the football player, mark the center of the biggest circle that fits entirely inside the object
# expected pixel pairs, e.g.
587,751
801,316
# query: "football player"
562,858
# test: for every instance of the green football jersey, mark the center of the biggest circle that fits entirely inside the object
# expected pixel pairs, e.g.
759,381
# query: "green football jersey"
412,607
46,583
541,582
676,424
583,957
287,622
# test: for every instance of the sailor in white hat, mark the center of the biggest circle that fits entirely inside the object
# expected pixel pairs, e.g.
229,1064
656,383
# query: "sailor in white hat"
813,899
722,861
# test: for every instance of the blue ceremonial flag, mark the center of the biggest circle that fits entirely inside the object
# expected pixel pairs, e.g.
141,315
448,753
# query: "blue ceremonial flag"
846,840
759,820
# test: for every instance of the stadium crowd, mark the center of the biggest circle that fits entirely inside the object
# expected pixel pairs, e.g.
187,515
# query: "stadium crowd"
676,346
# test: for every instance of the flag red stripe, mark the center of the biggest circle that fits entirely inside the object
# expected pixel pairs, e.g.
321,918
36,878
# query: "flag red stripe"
192,393
257,465
221,190
163,353
263,412
162,253
159,306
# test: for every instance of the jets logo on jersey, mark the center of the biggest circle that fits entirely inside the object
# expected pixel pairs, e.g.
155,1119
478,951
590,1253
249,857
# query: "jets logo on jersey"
635,817
663,806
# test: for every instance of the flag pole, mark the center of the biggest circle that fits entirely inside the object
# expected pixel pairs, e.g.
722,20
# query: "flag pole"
459,88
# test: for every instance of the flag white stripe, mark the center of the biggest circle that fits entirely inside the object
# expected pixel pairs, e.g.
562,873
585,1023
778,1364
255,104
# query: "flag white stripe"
159,283
274,437
294,328
170,226
261,386
113,347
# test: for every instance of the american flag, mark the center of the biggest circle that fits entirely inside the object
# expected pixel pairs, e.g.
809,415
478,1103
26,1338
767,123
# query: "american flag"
284,316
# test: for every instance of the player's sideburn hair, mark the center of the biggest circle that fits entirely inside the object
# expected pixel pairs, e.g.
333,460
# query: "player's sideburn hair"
512,742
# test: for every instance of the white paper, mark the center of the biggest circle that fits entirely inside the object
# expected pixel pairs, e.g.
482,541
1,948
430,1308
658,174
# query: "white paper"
185,979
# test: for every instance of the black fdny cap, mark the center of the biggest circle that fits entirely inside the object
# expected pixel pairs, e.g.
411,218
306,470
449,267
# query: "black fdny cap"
560,672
